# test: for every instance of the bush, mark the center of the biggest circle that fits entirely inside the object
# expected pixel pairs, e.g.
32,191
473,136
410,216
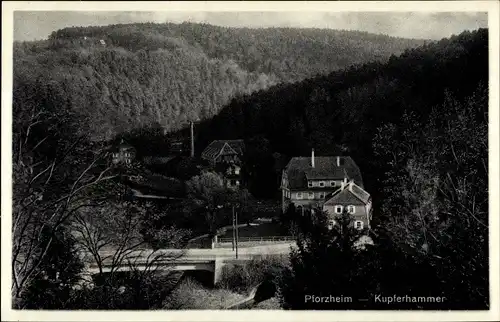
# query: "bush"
242,278
191,295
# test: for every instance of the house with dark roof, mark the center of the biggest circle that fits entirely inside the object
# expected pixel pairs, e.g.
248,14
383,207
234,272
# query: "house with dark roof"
306,181
225,157
123,153
351,198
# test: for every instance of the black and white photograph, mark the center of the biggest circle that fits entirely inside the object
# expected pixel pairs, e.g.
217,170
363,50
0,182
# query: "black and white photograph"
245,161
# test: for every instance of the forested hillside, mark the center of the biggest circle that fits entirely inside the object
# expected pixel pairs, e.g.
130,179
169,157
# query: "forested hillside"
342,112
122,77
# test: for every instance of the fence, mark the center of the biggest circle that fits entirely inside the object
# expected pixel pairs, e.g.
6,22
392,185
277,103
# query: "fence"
257,239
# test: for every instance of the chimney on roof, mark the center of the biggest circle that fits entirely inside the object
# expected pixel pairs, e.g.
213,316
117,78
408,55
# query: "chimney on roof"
312,158
342,185
338,161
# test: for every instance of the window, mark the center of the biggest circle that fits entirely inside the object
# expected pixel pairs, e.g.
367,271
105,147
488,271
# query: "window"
339,209
351,209
333,183
309,184
236,170
331,224
311,195
321,183
237,183
299,195
358,224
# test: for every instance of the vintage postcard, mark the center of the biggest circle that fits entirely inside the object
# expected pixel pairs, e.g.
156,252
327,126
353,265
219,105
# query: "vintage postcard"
250,161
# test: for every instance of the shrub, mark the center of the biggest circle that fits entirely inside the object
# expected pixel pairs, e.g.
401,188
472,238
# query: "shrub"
242,278
191,295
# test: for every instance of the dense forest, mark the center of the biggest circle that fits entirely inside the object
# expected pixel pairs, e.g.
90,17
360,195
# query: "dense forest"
342,112
123,77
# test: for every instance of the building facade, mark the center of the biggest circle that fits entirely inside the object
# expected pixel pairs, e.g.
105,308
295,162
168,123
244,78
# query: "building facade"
123,154
354,200
225,157
306,182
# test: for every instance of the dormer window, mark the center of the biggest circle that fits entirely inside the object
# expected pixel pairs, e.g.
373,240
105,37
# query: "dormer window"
309,184
333,183
321,183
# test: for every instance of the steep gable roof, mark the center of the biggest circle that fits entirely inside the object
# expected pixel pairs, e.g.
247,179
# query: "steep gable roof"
122,146
227,146
299,170
352,194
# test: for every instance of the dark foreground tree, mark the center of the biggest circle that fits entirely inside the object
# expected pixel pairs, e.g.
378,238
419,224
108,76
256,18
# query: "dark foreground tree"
53,280
326,262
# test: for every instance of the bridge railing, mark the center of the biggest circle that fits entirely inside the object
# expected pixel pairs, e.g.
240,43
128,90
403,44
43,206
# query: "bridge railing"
257,239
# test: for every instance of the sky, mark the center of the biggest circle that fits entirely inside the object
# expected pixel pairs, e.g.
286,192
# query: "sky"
34,25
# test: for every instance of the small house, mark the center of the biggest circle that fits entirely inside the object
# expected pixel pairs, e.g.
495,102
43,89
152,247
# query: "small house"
225,157
123,153
351,198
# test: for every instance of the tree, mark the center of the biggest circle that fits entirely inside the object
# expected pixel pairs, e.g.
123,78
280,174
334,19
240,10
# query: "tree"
51,286
436,201
54,167
326,262
209,192
259,167
112,237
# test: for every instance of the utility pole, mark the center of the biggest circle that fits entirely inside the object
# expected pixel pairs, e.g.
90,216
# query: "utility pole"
192,139
236,219
234,229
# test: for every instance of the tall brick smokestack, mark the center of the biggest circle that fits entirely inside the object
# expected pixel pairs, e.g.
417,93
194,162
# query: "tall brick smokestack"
192,140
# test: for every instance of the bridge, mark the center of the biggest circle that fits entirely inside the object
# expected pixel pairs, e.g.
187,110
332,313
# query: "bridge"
211,260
